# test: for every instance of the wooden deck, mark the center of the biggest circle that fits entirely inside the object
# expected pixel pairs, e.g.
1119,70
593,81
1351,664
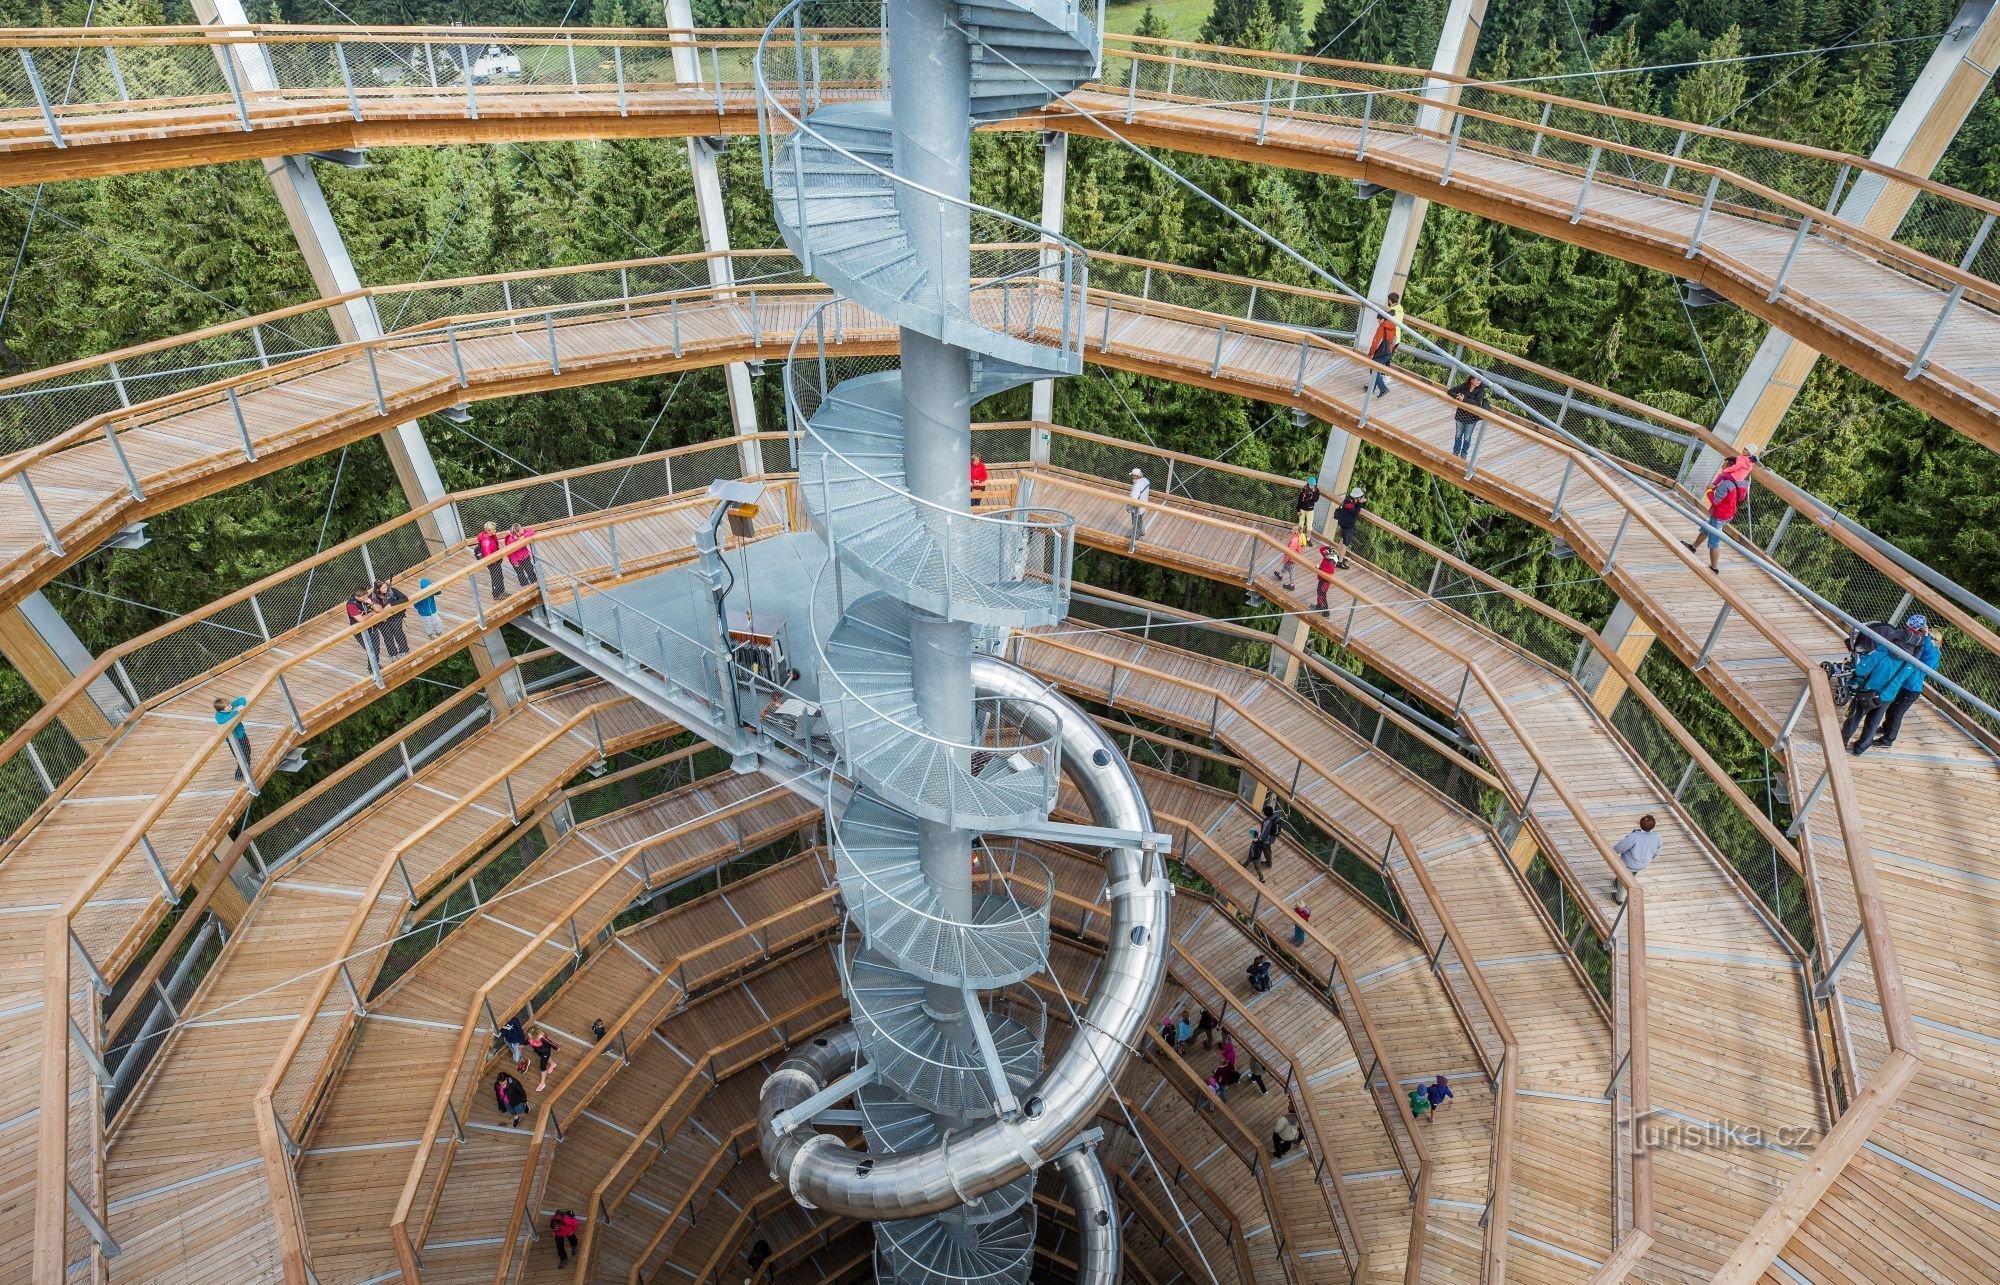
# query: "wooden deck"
178,1148
1939,772
1851,294
163,763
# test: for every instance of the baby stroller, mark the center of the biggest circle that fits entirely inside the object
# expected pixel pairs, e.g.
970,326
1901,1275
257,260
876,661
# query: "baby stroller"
1846,688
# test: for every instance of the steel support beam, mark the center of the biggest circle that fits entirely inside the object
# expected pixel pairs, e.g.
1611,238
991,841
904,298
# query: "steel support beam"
1055,191
333,273
1458,36
46,652
1930,117
709,211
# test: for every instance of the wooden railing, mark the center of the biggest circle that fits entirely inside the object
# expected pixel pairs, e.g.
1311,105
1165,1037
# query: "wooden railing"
466,1056
1501,1068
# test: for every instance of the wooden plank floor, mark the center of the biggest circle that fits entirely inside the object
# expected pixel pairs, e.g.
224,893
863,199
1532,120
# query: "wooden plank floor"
196,446
1565,1047
379,1104
43,863
1843,301
1938,779
186,1133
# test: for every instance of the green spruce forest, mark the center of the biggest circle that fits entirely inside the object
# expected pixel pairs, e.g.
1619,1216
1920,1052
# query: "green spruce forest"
105,263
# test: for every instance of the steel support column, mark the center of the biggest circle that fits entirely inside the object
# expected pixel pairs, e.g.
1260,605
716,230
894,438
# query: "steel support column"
709,211
1055,191
1459,35
1929,118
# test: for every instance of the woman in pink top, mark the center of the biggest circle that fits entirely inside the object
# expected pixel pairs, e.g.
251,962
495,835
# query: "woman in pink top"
518,555
486,546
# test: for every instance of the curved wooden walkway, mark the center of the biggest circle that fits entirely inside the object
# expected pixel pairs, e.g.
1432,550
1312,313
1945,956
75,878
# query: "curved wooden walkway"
1946,777
146,812
181,1166
1744,215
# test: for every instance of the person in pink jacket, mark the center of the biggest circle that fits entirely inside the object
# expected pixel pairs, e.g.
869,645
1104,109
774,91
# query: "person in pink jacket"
486,546
519,555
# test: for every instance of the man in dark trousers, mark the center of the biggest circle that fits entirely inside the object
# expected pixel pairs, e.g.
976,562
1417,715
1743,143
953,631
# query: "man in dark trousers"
1471,398
1348,514
1922,645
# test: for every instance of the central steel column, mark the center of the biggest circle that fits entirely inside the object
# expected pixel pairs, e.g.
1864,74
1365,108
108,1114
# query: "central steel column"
930,79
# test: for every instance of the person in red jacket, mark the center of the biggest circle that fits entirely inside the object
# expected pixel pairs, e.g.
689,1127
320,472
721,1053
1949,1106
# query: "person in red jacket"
486,546
978,480
519,555
1328,564
563,1227
1725,496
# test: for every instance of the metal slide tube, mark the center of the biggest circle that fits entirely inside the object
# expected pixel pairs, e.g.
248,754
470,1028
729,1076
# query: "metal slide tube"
824,1174
1097,1259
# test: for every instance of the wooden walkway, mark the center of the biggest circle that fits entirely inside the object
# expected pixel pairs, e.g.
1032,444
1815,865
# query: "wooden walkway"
1940,774
162,788
1849,291
359,1144
182,1151
1563,1147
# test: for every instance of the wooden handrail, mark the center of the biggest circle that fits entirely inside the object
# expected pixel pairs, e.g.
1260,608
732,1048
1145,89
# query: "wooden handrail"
1509,1060
190,916
667,975
458,1058
1427,74
291,1237
78,686
1881,246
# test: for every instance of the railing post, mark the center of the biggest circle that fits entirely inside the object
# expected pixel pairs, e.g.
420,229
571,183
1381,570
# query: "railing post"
347,79
1714,636
124,464
1451,151
159,869
229,73
1367,113
1617,540
117,73
242,427
1785,269
1707,204
618,65
1680,145
1541,130
375,379
457,358
42,99
1562,489
1951,301
555,357
471,96
1264,118
1583,193
49,536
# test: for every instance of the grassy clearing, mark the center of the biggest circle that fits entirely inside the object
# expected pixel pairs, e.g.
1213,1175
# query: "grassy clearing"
1183,17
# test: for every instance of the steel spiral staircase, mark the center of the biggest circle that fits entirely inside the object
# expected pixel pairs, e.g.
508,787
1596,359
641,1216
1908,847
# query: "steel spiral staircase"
869,182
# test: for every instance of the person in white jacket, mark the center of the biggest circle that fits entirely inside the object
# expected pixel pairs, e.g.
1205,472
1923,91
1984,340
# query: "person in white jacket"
1142,491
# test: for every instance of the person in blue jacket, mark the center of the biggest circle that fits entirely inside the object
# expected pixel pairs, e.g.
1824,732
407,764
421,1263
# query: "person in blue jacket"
1879,676
1924,647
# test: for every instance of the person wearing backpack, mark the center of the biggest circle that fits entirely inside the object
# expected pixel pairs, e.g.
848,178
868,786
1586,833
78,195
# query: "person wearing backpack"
1879,675
1382,347
1725,496
1306,504
1923,645
563,1228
